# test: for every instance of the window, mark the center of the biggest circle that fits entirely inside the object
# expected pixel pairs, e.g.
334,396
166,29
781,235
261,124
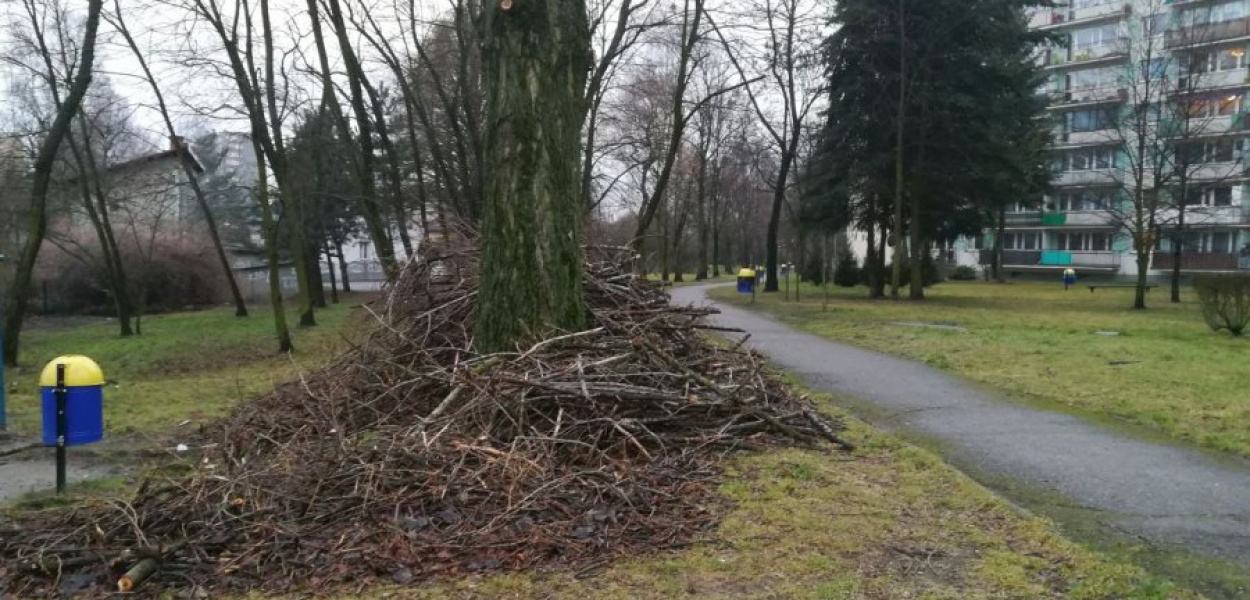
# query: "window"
1209,242
1085,159
1226,151
1216,196
1094,37
1154,24
1030,240
1084,242
1230,59
1221,242
364,249
1214,14
1093,119
1154,69
1213,106
1084,201
1224,59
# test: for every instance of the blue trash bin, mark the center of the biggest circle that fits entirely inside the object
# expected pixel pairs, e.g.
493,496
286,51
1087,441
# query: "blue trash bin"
746,281
84,401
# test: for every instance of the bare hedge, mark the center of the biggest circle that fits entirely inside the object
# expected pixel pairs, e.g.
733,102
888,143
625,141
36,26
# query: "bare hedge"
1225,301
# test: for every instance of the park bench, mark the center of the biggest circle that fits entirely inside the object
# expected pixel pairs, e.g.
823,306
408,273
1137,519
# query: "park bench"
1095,286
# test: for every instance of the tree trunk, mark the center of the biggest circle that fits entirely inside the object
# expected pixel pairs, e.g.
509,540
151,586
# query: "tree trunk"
334,288
870,260
41,177
536,58
774,223
999,234
678,247
663,238
918,250
1143,272
347,284
879,265
896,276
1177,247
270,228
316,285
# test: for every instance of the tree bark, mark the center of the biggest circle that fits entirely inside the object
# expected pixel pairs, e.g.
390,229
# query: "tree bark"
41,180
536,58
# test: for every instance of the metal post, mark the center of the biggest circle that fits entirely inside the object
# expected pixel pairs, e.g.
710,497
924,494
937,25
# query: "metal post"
61,427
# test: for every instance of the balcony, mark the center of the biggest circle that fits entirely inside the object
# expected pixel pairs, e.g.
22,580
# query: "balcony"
1204,126
1096,218
1101,137
1031,218
1110,53
1199,215
1164,260
1207,34
1061,258
1201,82
1095,177
1087,97
1216,172
1058,18
1022,258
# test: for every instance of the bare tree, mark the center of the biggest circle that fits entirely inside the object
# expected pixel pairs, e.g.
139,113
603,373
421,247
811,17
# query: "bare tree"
42,174
118,23
789,67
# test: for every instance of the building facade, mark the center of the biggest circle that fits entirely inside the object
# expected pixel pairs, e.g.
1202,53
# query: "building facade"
1181,66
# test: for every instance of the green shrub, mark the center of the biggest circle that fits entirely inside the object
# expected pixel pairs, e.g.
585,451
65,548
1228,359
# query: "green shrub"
964,273
1225,301
848,273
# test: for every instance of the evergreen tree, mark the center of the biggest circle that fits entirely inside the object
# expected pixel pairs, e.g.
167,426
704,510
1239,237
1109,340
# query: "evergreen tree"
959,135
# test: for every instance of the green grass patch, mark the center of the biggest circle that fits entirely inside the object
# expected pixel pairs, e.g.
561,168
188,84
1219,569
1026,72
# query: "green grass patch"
1165,370
188,365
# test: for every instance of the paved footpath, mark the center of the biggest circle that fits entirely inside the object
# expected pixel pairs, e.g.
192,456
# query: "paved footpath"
1165,494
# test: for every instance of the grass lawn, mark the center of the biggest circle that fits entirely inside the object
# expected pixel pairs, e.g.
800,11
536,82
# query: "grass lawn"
1166,370
185,365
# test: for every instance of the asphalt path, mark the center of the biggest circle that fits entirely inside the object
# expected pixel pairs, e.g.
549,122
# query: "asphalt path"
1155,491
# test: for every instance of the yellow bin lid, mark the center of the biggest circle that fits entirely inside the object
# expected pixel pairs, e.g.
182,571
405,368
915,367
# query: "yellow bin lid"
746,273
80,371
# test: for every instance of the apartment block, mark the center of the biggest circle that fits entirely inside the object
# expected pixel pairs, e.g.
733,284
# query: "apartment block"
1182,62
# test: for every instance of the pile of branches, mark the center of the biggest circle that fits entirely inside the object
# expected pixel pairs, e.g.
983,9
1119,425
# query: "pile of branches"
413,457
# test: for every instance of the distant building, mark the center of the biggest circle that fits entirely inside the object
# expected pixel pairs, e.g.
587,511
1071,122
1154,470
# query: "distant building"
1202,45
